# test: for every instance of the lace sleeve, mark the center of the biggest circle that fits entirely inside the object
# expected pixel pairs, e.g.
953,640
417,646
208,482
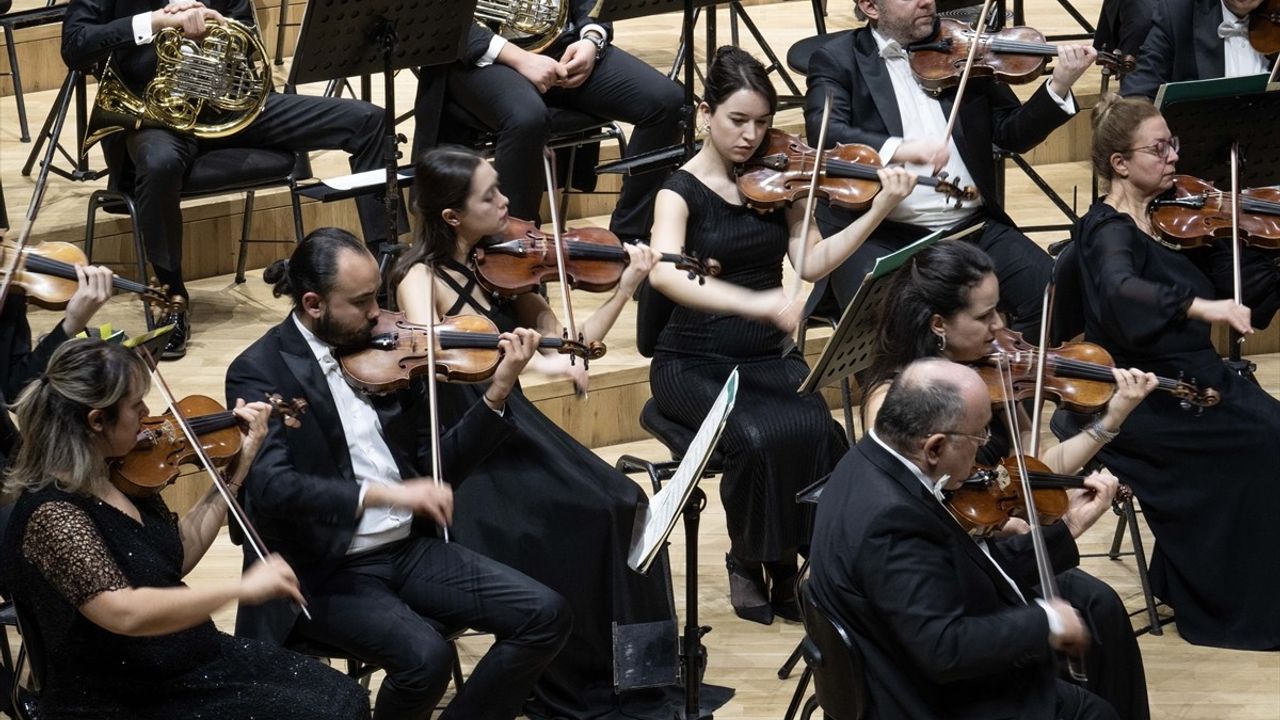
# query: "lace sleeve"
63,543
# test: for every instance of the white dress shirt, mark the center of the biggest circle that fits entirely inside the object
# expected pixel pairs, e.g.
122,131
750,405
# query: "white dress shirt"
1055,623
922,118
1240,57
371,459
497,42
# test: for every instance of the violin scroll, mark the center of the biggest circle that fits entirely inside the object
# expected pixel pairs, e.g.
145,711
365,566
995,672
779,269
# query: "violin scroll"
953,191
287,410
1116,64
697,268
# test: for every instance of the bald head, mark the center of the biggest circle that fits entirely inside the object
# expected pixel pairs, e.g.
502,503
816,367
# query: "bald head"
929,396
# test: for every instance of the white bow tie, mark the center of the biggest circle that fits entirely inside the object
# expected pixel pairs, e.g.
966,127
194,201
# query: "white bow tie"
893,51
1233,28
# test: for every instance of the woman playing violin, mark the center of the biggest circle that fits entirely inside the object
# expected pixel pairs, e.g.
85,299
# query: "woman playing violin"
943,304
542,502
1207,482
775,442
101,573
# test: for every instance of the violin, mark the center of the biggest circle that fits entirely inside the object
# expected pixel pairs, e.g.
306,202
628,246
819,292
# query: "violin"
594,260
1078,375
991,495
1013,55
781,172
162,448
1193,213
47,273
1264,27
466,350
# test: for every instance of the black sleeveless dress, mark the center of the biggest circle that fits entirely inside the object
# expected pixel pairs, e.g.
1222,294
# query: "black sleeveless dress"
1208,482
544,504
60,550
776,442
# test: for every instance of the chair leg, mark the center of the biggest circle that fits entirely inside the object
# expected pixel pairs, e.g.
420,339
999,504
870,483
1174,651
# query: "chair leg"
457,667
1140,559
244,236
798,697
16,73
280,23
297,213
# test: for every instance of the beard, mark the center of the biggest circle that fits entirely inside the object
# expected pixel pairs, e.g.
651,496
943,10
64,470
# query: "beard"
905,31
343,338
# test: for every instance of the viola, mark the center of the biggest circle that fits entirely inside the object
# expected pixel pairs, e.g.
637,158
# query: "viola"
1077,375
1014,55
1193,213
594,260
1264,27
991,495
47,273
782,172
466,351
154,461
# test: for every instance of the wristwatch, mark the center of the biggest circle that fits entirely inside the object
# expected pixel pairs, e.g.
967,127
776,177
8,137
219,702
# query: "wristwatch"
598,40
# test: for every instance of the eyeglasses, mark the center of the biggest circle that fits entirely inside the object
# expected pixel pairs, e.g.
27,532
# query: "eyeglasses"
1160,148
982,439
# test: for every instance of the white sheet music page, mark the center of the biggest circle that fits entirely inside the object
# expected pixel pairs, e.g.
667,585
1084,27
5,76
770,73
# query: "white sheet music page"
659,518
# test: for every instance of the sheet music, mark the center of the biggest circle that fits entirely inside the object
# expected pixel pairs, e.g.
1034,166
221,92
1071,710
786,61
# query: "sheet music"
659,518
368,178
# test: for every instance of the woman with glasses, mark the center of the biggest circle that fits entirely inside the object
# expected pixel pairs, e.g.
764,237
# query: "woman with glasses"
943,304
1208,481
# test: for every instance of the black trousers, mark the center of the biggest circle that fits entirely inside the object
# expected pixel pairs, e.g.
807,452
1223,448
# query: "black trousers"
1113,661
1021,266
161,159
394,606
1076,703
620,87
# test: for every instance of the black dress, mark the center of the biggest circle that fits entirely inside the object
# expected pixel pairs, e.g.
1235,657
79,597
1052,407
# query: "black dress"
1209,483
547,506
776,442
60,550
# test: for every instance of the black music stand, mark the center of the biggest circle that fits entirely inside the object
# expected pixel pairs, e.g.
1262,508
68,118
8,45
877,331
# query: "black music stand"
625,9
1216,120
342,38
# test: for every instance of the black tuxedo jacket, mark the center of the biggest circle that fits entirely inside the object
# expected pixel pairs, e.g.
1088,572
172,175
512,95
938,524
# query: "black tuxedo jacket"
94,29
1183,44
301,493
943,634
864,109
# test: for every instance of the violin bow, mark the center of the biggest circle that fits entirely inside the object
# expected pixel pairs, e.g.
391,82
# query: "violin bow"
1037,399
968,68
1236,282
433,400
810,205
1044,568
570,326
234,508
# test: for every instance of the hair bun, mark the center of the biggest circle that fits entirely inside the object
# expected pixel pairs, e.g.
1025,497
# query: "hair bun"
277,275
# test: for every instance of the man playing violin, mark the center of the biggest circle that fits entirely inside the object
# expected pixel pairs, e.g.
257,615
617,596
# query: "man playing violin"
947,624
877,101
346,500
1203,40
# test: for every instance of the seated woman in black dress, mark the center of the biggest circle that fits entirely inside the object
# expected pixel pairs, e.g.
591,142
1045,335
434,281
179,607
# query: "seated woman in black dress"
542,503
1209,482
943,304
776,442
102,572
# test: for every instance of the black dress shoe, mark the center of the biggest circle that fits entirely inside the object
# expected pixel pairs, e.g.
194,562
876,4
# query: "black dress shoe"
782,590
747,592
177,345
